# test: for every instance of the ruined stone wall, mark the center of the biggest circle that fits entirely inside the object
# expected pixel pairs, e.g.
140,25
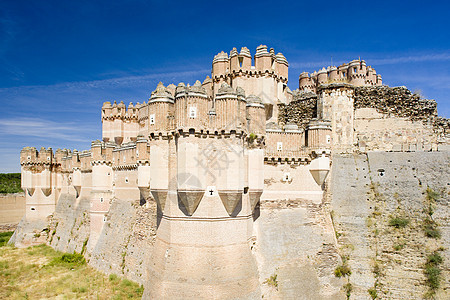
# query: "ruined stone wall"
396,101
368,191
300,111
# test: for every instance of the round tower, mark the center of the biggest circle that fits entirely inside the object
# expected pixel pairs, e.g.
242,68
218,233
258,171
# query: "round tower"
332,73
107,122
305,83
263,59
160,106
191,107
356,74
322,76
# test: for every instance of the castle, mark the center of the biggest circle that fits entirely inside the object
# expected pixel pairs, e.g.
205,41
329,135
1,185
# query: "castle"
209,154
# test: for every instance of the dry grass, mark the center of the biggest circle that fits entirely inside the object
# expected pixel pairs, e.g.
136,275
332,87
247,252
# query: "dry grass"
39,272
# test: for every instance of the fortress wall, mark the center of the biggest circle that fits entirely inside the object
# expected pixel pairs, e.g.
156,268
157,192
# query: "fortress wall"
69,226
12,208
284,182
376,131
369,190
291,143
126,240
294,240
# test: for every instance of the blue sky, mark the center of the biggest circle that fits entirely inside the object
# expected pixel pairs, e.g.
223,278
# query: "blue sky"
60,60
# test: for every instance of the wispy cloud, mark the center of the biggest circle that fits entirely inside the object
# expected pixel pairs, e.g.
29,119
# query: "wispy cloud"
126,81
41,128
377,61
411,58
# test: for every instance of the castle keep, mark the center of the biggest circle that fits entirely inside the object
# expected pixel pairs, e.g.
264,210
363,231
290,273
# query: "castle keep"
213,156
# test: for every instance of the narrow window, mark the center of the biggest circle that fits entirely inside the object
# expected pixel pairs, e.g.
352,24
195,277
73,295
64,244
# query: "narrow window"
152,119
192,112
280,146
328,139
241,59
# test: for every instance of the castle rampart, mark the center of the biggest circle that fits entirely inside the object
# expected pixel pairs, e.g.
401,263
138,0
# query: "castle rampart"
209,159
355,73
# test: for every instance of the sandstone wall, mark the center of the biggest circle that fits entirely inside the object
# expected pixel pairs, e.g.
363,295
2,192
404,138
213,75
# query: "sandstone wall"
12,208
367,192
294,241
377,131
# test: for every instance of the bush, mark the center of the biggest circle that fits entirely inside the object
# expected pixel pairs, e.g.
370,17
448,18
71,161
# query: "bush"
398,222
342,270
432,271
272,281
430,229
70,260
4,237
373,293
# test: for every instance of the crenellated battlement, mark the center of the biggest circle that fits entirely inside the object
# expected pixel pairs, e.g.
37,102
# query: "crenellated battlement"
265,63
356,73
206,159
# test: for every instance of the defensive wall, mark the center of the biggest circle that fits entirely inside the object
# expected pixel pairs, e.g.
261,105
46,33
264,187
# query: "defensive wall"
223,190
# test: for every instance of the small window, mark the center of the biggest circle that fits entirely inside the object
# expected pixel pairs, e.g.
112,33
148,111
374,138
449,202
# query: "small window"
328,139
287,177
152,119
279,146
137,153
101,199
104,218
355,69
343,74
124,159
192,112
32,208
48,158
126,179
29,157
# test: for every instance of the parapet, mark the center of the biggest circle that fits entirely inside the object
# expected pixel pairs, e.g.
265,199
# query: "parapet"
356,73
265,62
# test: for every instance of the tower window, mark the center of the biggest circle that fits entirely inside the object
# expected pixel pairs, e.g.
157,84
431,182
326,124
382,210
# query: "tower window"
279,146
192,112
152,119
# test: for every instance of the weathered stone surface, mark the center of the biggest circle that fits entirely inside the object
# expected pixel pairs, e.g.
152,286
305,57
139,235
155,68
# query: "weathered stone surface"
300,111
369,190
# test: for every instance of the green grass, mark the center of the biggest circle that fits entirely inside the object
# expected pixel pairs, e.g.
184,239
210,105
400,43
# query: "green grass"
10,183
40,272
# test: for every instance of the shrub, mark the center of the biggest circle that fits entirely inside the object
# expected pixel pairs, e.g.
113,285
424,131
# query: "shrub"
430,229
4,237
272,281
342,270
373,293
70,260
398,222
432,271
348,289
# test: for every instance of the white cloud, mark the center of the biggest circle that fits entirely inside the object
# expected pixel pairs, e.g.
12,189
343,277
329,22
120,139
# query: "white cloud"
41,128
